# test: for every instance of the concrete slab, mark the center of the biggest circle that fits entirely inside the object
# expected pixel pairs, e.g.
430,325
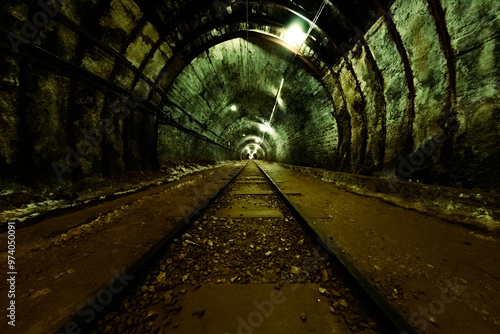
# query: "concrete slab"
252,192
250,213
250,181
259,192
126,229
408,250
309,211
256,308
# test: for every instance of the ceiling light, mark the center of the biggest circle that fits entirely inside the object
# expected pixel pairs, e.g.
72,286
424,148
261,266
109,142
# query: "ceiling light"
295,36
265,127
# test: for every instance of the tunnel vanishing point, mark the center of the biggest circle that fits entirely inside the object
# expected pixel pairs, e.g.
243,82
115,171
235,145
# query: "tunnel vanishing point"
398,89
392,99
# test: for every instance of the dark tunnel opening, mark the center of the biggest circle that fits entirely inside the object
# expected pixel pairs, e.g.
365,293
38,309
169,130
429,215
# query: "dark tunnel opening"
108,105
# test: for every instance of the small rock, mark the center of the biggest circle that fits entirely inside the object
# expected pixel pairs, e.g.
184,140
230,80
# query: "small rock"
269,253
303,317
343,303
151,316
301,242
332,309
322,291
168,299
336,293
324,276
295,270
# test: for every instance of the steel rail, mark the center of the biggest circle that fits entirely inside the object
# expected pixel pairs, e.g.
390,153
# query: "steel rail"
78,319
393,319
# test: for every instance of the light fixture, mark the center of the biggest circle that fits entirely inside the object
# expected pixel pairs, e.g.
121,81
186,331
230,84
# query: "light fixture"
294,35
233,108
265,127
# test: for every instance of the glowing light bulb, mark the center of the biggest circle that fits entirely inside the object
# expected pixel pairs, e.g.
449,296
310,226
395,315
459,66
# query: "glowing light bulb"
295,36
265,127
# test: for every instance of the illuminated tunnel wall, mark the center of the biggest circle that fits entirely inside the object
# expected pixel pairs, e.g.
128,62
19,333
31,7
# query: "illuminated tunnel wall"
384,88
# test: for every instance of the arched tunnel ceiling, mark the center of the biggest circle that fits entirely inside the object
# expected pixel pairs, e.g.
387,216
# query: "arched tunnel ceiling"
390,85
215,70
137,45
192,27
178,21
224,76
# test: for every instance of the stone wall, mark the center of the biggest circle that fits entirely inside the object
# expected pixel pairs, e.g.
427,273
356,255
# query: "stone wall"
420,92
416,98
175,146
71,87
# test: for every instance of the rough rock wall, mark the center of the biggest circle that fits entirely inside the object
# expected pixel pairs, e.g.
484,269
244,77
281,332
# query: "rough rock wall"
304,130
176,146
71,81
417,98
420,94
308,136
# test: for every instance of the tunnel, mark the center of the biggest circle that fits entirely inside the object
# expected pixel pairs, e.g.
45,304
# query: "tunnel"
375,122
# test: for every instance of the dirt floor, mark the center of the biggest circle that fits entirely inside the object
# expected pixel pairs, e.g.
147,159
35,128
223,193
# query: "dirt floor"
243,252
444,276
35,202
65,259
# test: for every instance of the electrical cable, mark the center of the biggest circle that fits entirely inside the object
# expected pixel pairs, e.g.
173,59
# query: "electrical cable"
313,24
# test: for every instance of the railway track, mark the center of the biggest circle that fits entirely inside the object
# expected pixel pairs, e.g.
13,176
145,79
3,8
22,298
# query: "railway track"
248,263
